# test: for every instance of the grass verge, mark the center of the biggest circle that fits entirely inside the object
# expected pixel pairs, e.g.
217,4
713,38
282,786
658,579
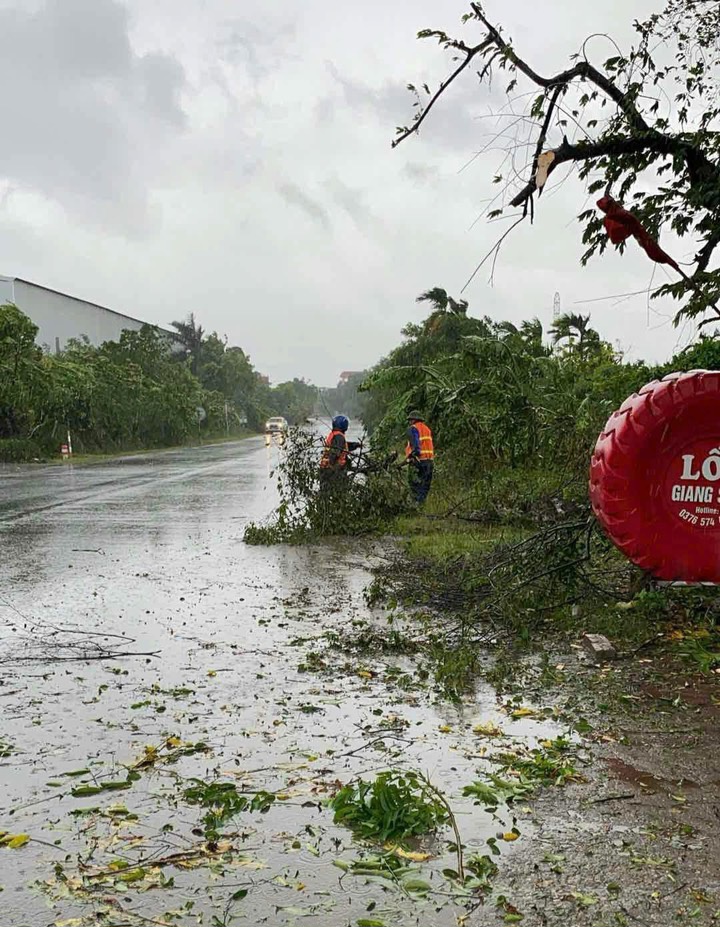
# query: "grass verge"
504,592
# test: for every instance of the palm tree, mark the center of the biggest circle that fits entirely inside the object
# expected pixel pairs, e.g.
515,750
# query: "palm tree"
191,337
532,330
570,327
529,336
441,302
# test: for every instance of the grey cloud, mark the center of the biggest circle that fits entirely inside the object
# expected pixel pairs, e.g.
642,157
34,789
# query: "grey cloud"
257,155
84,113
449,126
353,203
161,81
255,47
325,111
295,196
420,173
77,39
390,100
20,246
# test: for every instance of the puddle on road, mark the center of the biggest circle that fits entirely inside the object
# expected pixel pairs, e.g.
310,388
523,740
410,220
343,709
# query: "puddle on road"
246,691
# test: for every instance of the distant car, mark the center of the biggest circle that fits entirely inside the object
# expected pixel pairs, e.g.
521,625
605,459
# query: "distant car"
277,425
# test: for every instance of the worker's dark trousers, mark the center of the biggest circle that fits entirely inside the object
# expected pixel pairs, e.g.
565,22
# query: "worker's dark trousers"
421,474
333,479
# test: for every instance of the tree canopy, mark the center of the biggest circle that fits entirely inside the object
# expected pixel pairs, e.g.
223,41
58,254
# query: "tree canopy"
501,395
640,125
138,391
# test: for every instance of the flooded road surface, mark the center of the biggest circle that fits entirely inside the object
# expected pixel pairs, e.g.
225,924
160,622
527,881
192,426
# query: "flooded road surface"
108,761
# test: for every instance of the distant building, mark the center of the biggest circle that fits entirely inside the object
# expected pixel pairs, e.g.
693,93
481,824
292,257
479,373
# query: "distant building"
60,317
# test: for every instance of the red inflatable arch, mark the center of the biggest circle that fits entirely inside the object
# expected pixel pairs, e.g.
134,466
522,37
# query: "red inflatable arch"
655,477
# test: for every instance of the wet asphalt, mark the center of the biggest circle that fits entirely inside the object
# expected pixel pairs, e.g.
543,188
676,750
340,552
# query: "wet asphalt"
144,556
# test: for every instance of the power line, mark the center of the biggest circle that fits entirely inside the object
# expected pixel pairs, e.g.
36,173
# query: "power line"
601,299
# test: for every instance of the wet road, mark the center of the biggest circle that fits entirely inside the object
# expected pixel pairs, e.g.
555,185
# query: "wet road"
29,490
231,679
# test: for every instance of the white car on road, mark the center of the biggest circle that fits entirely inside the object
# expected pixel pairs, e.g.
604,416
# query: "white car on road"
276,425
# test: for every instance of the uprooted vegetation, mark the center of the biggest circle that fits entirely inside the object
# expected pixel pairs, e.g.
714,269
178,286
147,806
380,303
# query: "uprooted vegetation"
506,553
359,501
394,807
491,600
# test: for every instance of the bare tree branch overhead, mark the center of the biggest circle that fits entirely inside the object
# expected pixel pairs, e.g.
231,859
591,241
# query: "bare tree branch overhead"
642,126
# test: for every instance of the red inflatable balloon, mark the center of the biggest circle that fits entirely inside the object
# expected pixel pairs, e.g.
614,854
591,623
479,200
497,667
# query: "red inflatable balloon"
655,477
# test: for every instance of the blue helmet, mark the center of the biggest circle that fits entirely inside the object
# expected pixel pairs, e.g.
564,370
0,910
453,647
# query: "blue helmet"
340,423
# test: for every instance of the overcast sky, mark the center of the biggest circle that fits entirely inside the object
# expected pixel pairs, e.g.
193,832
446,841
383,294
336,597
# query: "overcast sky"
232,158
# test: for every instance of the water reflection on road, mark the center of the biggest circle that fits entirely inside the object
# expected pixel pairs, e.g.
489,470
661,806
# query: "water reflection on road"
146,555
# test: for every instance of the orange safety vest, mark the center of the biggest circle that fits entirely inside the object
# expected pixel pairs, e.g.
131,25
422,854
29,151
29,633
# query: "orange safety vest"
341,460
427,451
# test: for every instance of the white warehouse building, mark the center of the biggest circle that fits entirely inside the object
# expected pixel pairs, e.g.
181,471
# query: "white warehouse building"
60,317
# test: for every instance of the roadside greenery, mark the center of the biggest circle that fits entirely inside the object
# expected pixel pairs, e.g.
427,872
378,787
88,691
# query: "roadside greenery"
515,412
226,370
141,391
506,546
500,395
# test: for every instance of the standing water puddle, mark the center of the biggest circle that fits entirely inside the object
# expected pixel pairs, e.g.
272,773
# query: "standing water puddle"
97,756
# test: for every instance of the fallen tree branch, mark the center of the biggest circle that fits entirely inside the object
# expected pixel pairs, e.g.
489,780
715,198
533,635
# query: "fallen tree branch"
83,658
453,823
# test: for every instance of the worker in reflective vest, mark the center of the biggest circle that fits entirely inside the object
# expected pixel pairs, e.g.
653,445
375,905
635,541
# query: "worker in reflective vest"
420,455
334,460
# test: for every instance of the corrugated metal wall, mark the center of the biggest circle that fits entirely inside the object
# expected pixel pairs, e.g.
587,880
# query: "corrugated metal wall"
60,318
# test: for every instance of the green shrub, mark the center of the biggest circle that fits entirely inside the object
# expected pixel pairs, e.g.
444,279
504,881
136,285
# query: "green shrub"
19,450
